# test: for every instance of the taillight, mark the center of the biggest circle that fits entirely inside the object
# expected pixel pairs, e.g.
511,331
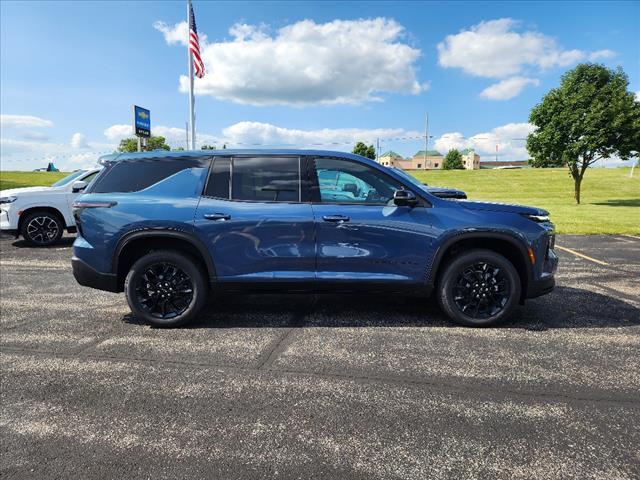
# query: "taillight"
79,206
92,204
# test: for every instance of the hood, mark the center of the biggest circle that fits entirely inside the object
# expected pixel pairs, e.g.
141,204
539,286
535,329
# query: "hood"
20,191
502,207
445,192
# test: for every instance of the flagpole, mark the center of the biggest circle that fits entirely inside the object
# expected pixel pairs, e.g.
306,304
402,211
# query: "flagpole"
192,121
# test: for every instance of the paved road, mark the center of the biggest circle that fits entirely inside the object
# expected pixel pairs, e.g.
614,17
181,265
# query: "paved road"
324,386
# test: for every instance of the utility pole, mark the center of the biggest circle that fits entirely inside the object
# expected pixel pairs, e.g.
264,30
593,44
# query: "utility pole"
377,148
186,131
426,139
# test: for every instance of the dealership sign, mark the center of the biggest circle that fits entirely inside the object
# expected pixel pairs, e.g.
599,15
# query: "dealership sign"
142,121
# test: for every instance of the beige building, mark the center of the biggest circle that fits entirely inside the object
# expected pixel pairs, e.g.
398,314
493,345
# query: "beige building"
429,160
470,159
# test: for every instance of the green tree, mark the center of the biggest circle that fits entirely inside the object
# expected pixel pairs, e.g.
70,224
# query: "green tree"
364,151
153,143
208,147
592,115
453,160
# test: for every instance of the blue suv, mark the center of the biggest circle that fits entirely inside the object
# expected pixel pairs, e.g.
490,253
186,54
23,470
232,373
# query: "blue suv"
169,227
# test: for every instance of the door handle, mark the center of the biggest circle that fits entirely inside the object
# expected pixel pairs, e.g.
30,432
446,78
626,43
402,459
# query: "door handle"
336,218
217,216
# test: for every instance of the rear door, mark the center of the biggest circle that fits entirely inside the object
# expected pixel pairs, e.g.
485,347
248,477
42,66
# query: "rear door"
362,236
256,220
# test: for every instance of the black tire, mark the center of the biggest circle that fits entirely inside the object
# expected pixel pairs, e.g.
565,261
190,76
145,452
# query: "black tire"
157,288
42,228
479,288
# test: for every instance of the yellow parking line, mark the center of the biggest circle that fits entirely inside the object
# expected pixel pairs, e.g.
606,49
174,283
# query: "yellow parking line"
578,254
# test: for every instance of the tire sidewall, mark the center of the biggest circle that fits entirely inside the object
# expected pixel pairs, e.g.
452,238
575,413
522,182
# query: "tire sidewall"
445,292
189,266
40,213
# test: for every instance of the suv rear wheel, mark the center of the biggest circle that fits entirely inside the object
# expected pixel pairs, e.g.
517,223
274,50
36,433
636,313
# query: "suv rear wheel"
166,288
41,228
479,288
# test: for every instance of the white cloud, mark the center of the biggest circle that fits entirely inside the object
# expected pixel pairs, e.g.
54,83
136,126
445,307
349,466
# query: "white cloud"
638,96
508,88
179,33
305,63
118,132
599,54
244,134
495,49
78,140
23,121
510,140
34,135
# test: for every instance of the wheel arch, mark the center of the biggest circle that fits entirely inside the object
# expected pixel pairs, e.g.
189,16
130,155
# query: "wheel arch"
135,244
37,208
504,244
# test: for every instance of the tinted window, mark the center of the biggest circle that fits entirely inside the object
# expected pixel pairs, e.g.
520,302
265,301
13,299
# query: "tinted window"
90,177
68,179
133,176
266,179
342,181
218,185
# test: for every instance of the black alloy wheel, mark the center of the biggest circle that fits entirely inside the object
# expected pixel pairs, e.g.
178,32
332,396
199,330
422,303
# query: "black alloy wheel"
164,290
479,288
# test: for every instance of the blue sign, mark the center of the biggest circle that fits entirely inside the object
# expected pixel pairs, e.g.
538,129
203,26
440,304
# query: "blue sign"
142,121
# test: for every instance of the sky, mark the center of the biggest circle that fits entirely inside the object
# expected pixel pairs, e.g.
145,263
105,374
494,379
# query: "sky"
295,74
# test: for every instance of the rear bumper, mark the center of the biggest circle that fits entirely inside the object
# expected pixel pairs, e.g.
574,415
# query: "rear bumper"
88,277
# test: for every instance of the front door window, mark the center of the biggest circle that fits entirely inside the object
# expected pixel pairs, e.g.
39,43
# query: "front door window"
341,181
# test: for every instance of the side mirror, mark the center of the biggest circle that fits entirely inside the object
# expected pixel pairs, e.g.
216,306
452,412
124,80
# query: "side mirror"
78,186
405,198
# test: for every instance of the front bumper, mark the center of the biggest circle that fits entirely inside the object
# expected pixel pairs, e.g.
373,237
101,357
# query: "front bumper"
89,277
547,281
5,223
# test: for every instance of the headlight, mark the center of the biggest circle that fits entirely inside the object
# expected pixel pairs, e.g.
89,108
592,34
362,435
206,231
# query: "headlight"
7,199
537,218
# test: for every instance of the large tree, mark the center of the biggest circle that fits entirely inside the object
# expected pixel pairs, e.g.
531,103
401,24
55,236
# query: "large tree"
153,143
362,149
453,160
592,115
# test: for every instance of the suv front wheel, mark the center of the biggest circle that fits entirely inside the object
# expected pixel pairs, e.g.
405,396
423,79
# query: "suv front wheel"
166,288
479,288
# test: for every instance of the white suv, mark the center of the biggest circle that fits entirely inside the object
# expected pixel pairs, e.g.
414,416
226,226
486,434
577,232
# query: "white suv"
40,214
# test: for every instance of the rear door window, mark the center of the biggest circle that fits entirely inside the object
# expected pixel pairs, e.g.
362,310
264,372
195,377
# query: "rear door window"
266,179
132,176
219,183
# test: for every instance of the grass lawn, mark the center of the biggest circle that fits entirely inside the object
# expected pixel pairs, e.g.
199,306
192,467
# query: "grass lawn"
610,199
29,179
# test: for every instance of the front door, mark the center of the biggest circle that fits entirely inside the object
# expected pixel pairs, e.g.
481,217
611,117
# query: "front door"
362,236
256,222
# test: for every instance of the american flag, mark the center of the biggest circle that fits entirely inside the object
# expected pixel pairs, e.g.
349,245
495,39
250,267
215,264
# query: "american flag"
194,45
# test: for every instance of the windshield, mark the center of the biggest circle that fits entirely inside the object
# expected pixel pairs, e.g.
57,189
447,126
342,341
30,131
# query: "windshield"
68,179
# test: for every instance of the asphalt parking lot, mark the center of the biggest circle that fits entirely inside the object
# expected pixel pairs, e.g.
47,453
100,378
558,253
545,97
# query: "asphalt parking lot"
321,386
